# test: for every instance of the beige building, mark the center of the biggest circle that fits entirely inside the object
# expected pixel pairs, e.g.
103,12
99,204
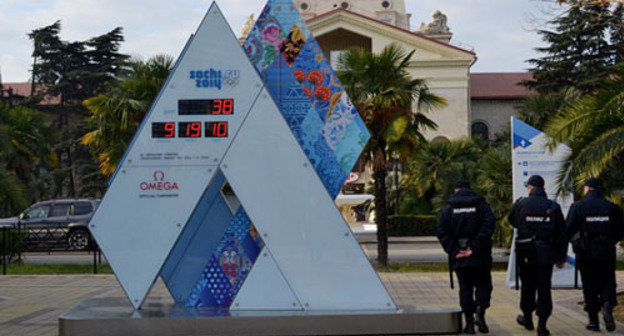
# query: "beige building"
375,24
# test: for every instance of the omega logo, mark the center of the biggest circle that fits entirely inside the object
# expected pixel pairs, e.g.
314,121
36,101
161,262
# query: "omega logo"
159,183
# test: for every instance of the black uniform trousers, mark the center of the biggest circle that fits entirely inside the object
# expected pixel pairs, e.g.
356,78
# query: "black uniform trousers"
536,279
475,288
599,284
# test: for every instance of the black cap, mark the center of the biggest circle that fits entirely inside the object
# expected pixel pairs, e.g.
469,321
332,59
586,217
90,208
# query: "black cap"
536,181
461,184
593,183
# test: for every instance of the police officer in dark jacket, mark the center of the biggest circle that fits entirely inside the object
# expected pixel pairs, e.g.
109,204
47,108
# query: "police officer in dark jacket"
595,227
540,243
465,232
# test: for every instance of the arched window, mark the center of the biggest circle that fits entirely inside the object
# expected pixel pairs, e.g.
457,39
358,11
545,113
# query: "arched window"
481,130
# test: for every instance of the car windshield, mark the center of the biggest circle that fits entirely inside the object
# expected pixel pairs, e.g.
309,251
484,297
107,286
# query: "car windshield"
40,211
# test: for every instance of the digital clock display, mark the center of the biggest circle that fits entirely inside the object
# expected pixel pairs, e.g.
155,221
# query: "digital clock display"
206,107
190,129
216,129
163,130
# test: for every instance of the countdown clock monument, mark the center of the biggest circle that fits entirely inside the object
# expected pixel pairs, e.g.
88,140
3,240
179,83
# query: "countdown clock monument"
223,195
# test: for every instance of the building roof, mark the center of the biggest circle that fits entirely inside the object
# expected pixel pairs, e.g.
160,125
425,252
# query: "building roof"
499,85
345,11
23,89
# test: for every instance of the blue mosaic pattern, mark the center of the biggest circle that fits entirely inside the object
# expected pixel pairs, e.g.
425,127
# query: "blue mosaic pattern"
310,96
229,266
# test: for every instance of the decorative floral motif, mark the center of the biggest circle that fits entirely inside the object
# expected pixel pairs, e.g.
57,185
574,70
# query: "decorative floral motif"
292,46
316,77
336,126
299,75
271,35
323,93
265,40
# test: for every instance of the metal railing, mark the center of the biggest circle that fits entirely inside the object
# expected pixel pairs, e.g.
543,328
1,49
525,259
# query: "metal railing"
15,241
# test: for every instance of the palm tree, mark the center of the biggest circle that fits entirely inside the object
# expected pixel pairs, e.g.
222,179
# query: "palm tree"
593,127
385,93
494,182
537,110
116,115
26,145
434,168
13,195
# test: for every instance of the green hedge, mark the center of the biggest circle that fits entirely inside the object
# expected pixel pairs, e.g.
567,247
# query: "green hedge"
412,226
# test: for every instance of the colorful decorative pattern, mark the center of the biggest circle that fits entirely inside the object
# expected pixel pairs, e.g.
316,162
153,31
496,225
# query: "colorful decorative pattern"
308,92
229,266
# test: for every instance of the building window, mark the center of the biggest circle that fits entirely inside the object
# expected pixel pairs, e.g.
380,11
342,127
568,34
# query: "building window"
480,130
335,56
385,4
344,5
304,6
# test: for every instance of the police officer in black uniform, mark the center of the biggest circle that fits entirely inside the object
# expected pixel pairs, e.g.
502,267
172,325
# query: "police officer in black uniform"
540,243
595,227
465,232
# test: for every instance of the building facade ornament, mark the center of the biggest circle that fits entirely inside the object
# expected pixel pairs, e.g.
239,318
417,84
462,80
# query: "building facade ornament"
247,27
437,28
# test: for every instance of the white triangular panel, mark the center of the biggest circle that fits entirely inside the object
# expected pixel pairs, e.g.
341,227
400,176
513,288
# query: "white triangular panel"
142,214
266,288
297,219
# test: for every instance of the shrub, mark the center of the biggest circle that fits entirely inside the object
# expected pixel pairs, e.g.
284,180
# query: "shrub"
418,226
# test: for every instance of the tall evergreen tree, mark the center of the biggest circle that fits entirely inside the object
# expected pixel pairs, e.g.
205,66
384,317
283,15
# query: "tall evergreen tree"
616,31
578,53
73,72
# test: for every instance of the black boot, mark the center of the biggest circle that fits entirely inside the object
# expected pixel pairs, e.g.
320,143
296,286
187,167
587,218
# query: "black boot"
608,317
480,321
526,321
469,329
593,324
541,328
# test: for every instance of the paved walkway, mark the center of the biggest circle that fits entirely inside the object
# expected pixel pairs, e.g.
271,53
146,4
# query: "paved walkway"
30,305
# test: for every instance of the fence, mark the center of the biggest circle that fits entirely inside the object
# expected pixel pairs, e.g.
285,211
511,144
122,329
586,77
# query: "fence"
16,241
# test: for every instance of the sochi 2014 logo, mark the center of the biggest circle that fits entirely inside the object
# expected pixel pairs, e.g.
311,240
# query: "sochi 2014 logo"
211,78
159,183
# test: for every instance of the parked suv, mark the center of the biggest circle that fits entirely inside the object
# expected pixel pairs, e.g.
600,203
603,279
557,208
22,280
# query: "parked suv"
56,224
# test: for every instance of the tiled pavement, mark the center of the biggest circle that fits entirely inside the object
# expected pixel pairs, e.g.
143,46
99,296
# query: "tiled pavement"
30,305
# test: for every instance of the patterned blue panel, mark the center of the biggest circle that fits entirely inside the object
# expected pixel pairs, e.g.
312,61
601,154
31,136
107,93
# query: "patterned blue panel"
197,241
229,265
351,144
317,78
265,41
329,130
328,168
212,289
285,12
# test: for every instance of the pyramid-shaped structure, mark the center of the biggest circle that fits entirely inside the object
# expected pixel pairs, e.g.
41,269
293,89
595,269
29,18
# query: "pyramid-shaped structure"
216,195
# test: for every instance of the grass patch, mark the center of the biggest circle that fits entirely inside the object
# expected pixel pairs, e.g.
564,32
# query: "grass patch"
35,269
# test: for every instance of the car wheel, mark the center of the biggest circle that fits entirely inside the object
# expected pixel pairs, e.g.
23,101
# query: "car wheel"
79,239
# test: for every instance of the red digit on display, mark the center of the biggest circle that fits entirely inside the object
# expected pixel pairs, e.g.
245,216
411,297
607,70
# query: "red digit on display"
196,130
222,129
228,106
217,106
169,130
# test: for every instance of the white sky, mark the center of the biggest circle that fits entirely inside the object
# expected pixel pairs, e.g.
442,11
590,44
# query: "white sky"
501,31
